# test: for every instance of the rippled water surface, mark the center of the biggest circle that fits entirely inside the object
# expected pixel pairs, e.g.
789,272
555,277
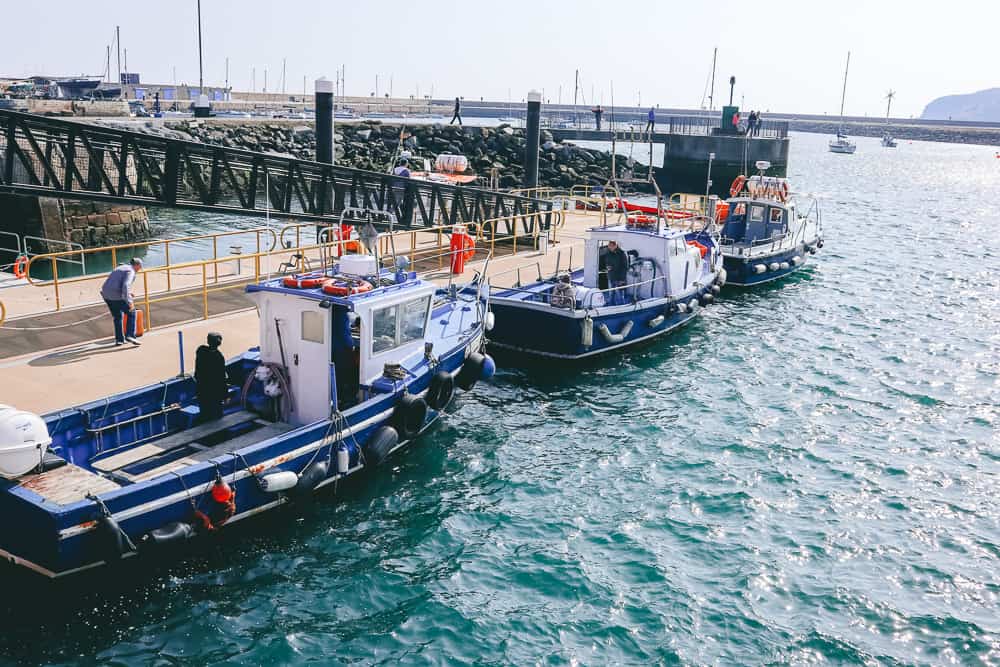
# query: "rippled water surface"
808,474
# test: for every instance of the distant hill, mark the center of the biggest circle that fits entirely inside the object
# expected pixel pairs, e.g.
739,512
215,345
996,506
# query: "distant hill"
981,106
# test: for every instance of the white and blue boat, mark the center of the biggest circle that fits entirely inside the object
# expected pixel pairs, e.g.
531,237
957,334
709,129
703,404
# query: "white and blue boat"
672,274
354,362
764,235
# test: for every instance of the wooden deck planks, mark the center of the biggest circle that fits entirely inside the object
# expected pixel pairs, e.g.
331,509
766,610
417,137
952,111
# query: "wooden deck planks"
67,485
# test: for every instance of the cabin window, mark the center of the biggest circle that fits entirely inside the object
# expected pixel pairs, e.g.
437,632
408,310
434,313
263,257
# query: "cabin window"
413,320
312,326
756,214
384,329
777,215
400,324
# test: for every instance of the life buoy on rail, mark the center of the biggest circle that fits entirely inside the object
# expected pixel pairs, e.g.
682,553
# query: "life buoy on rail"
737,185
21,266
701,248
343,287
783,192
641,220
307,281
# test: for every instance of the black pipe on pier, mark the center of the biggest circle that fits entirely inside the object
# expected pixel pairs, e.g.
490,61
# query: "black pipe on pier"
324,120
532,139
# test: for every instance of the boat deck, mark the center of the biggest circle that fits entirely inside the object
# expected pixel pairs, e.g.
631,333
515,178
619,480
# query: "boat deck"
193,445
67,484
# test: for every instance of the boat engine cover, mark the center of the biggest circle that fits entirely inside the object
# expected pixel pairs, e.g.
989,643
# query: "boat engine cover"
24,439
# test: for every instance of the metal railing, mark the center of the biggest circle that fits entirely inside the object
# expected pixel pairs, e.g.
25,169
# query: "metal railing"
118,252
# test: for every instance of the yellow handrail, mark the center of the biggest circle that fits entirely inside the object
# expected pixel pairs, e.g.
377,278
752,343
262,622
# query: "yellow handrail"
3,313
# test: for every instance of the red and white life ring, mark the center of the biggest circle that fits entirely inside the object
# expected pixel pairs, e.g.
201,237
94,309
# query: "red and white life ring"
641,220
737,185
21,266
308,281
344,287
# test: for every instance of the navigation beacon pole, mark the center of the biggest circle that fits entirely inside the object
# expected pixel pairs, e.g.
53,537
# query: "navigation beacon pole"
324,132
201,106
532,139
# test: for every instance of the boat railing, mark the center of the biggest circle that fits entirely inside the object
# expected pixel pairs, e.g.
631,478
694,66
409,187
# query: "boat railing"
630,293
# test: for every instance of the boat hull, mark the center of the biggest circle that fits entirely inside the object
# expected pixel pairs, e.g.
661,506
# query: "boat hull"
59,540
742,271
542,331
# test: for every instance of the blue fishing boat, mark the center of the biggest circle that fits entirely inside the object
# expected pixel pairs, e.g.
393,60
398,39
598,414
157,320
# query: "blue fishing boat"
765,236
354,361
670,274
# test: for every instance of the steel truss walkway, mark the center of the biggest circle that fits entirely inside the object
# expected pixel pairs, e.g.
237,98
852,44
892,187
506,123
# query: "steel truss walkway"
73,160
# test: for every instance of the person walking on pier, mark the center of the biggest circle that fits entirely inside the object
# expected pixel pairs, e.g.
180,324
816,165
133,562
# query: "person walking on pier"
117,293
756,124
598,112
458,113
210,378
651,120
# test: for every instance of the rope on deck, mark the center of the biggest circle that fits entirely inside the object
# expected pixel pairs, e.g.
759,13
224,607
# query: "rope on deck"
3,312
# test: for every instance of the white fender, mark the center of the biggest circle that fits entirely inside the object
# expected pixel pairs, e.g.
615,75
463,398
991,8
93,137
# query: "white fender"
773,266
489,321
784,266
759,268
656,321
721,280
587,337
796,260
278,481
716,289
682,308
615,338
693,305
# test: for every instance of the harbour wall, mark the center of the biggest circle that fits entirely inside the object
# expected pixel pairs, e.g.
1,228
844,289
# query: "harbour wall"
686,165
89,224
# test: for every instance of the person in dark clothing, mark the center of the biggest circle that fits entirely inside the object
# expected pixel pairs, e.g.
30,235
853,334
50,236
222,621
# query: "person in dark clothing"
458,112
210,378
651,120
598,112
616,262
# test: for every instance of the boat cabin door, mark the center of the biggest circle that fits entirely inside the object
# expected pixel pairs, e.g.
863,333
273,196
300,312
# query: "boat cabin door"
307,354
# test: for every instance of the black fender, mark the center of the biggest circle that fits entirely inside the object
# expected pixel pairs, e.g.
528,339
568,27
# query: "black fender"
380,444
440,390
471,371
310,478
169,534
113,544
409,415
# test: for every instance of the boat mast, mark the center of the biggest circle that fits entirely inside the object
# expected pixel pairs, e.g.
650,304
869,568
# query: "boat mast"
843,94
576,87
891,94
711,94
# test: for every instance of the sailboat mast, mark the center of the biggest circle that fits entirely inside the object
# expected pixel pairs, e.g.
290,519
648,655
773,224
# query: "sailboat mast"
711,94
576,87
843,93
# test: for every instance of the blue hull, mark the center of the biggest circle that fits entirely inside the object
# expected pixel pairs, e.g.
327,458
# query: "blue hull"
56,540
544,331
740,270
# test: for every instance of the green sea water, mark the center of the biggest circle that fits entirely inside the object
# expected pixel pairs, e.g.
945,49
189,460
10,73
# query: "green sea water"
809,474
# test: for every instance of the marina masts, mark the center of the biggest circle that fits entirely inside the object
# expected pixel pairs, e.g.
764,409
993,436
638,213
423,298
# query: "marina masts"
201,77
711,93
843,94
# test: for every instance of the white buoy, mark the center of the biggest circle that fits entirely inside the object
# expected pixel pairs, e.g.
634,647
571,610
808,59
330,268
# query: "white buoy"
773,266
489,321
785,266
796,260
682,308
693,305
721,280
759,268
587,337
278,481
343,459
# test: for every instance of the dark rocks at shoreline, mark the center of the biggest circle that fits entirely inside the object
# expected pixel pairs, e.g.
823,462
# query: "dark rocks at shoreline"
374,147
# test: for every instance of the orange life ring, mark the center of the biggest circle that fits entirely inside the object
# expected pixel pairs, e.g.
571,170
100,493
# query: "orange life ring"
308,281
21,266
699,246
641,220
343,287
469,244
737,185
783,192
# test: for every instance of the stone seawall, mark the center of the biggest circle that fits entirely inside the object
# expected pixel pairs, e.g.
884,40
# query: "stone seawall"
373,146
90,224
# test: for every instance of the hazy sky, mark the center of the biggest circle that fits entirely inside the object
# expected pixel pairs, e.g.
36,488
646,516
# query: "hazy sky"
786,54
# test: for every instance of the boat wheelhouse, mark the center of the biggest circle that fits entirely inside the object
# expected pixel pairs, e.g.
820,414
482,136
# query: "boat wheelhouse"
354,361
764,235
670,274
